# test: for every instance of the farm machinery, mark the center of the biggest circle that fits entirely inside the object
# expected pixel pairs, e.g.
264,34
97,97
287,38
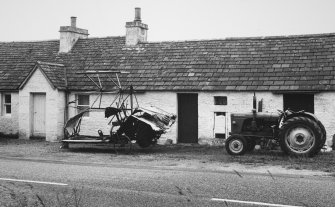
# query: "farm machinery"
297,133
129,123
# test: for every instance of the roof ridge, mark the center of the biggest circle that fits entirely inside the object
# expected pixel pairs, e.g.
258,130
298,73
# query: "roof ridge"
31,41
48,63
105,37
250,38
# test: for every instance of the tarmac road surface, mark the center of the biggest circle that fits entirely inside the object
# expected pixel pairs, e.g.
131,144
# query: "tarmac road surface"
122,185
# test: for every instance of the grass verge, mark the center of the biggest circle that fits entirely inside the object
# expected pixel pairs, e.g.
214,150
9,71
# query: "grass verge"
171,154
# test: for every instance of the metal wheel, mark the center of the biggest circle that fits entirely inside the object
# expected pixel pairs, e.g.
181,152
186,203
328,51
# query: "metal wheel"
300,136
236,145
300,139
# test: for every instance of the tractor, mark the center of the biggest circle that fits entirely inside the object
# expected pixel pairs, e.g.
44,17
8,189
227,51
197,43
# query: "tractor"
297,133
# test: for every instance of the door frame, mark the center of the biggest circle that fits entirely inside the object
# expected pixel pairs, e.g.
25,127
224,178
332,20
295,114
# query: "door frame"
197,116
32,115
305,95
226,132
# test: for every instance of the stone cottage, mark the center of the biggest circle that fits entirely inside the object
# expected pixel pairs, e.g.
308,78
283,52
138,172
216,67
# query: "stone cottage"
201,81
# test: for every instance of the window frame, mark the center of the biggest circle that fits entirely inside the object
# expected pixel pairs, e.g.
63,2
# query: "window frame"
86,115
6,104
218,102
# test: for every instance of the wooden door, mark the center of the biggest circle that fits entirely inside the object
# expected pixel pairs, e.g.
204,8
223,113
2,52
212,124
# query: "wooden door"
188,118
220,124
38,115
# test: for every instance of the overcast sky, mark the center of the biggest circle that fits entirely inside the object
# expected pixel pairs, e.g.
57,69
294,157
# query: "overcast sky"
168,20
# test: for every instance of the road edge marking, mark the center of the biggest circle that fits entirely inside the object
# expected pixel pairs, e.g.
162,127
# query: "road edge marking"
33,181
251,202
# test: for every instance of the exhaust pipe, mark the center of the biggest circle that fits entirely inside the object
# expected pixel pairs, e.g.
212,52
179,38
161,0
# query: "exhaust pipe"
254,108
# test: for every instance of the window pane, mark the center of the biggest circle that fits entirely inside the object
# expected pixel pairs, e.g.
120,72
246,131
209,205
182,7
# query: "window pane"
8,109
220,100
83,100
8,98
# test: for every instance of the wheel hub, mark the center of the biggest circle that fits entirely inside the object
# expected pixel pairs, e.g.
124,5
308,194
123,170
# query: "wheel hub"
236,146
300,139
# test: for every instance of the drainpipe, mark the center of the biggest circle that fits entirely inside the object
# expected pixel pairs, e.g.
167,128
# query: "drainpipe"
66,111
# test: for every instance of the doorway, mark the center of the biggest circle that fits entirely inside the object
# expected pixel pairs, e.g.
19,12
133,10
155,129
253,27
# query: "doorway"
187,118
38,115
299,101
220,125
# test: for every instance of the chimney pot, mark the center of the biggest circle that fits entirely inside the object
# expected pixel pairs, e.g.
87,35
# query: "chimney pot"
138,14
73,21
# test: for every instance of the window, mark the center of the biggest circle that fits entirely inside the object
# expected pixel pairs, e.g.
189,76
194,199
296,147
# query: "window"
7,104
83,103
220,100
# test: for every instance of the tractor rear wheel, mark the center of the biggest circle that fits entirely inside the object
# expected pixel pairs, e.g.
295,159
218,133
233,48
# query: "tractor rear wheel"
236,145
300,136
323,137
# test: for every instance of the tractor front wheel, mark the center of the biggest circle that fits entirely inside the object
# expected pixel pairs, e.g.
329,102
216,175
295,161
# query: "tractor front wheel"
236,145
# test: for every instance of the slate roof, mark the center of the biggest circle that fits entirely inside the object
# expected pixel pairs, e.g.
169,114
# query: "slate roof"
293,63
54,73
17,59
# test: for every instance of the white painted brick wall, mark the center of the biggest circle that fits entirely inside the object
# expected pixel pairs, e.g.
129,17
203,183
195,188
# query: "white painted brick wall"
237,102
324,105
90,125
60,114
9,124
54,107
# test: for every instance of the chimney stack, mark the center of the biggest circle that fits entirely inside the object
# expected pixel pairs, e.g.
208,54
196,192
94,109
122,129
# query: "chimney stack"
69,35
136,31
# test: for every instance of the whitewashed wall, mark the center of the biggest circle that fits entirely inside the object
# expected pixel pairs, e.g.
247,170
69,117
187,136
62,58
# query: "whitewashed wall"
237,102
9,124
324,106
97,121
55,102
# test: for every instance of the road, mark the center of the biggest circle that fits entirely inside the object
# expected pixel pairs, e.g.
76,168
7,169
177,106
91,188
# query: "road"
56,183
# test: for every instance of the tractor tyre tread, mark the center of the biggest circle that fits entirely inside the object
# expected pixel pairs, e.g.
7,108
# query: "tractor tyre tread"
301,120
234,137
